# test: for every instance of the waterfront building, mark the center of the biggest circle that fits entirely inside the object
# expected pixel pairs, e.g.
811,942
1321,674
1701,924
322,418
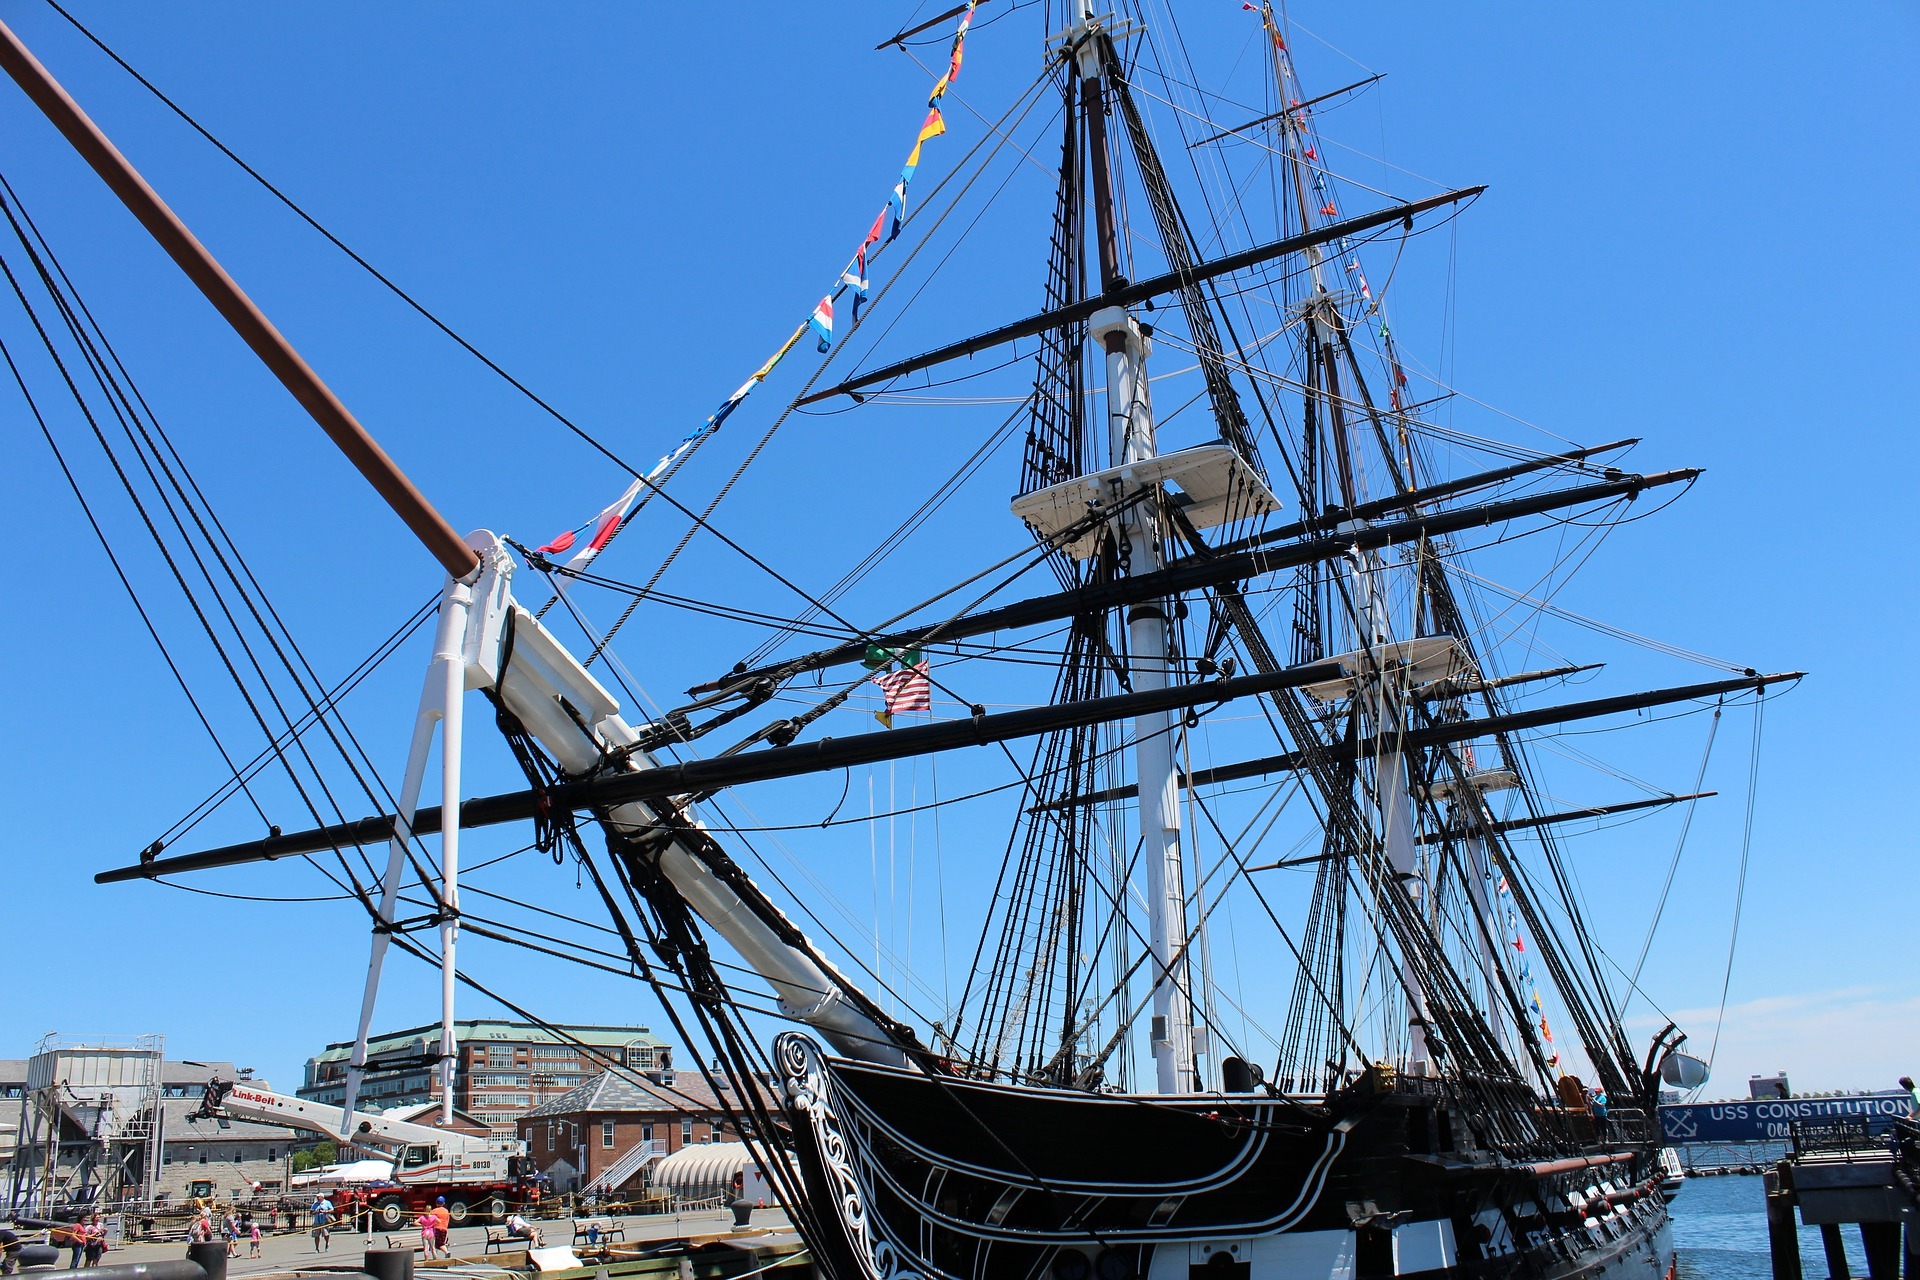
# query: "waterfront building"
79,1129
603,1135
502,1069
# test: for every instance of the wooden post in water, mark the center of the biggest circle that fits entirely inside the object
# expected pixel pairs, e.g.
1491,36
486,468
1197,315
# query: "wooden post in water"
1836,1250
1782,1240
1881,1241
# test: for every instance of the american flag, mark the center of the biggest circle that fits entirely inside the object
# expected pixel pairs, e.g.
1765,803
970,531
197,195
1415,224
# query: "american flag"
908,689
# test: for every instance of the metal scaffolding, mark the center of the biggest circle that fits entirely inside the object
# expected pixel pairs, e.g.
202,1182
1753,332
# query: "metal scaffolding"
90,1124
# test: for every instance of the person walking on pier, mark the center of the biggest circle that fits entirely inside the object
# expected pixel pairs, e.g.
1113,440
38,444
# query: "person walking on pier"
322,1221
443,1225
96,1240
72,1237
253,1241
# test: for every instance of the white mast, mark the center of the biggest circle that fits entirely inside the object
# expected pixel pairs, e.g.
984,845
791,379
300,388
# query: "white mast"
1130,441
1380,695
459,661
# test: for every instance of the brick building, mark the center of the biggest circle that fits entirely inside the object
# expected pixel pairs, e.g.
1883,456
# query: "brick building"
602,1135
504,1069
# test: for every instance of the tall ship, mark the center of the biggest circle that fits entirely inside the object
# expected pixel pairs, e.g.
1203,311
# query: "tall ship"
1283,968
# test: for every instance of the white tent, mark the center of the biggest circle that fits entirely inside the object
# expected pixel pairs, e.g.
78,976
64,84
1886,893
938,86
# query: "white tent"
706,1170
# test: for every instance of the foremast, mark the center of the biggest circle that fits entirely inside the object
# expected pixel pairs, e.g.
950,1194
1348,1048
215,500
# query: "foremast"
1130,441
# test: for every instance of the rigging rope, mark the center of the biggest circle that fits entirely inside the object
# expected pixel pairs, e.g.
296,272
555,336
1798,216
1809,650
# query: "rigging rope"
700,521
1673,867
1740,887
336,241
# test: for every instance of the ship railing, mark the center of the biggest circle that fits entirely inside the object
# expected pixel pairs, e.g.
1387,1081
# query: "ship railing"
1626,1124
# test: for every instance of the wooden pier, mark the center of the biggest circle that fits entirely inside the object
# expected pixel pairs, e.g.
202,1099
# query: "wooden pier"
1839,1176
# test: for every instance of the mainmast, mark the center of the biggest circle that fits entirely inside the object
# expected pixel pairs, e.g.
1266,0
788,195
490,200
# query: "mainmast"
1130,440
1379,700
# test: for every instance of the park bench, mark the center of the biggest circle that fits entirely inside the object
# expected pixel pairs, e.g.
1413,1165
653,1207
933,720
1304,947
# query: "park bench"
609,1230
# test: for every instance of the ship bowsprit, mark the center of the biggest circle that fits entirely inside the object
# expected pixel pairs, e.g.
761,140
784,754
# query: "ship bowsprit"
923,1175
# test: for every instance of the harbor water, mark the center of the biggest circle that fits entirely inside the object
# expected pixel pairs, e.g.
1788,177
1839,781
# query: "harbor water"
1720,1233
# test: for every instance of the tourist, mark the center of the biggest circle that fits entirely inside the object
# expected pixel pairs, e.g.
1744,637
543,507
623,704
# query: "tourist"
230,1232
201,1232
518,1228
253,1240
9,1252
322,1210
74,1237
443,1225
96,1240
429,1232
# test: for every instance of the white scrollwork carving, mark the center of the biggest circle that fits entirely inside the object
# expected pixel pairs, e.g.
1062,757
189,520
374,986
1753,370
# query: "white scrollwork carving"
811,1091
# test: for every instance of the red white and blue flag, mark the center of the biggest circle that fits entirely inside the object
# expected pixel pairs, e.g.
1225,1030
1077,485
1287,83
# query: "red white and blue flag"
599,530
904,690
821,321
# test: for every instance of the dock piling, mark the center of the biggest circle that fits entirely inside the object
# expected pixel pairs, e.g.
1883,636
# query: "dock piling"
1782,1240
1836,1251
1881,1242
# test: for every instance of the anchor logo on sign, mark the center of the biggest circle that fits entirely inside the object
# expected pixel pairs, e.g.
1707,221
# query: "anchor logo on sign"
1679,1124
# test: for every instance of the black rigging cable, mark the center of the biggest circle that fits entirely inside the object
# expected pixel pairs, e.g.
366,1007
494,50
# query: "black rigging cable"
146,619
338,243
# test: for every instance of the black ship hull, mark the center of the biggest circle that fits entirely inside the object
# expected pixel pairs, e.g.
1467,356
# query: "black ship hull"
915,1175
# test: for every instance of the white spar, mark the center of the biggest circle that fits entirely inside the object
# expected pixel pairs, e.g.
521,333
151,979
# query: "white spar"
577,721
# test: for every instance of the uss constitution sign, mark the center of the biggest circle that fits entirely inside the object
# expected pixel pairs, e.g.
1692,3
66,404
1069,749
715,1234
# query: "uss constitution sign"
1772,1119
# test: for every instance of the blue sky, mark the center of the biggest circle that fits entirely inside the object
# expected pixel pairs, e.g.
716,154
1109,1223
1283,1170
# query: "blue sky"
1695,233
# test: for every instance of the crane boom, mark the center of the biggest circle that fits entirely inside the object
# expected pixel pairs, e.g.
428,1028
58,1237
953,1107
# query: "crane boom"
420,1152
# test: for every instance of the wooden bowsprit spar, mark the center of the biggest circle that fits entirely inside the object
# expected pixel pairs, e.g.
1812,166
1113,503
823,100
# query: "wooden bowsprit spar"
477,617
286,364
446,679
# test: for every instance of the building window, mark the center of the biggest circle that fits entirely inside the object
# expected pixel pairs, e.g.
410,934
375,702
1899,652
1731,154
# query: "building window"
686,1132
606,1135
646,1133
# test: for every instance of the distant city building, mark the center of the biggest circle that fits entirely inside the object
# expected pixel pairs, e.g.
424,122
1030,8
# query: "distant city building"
605,1134
503,1069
